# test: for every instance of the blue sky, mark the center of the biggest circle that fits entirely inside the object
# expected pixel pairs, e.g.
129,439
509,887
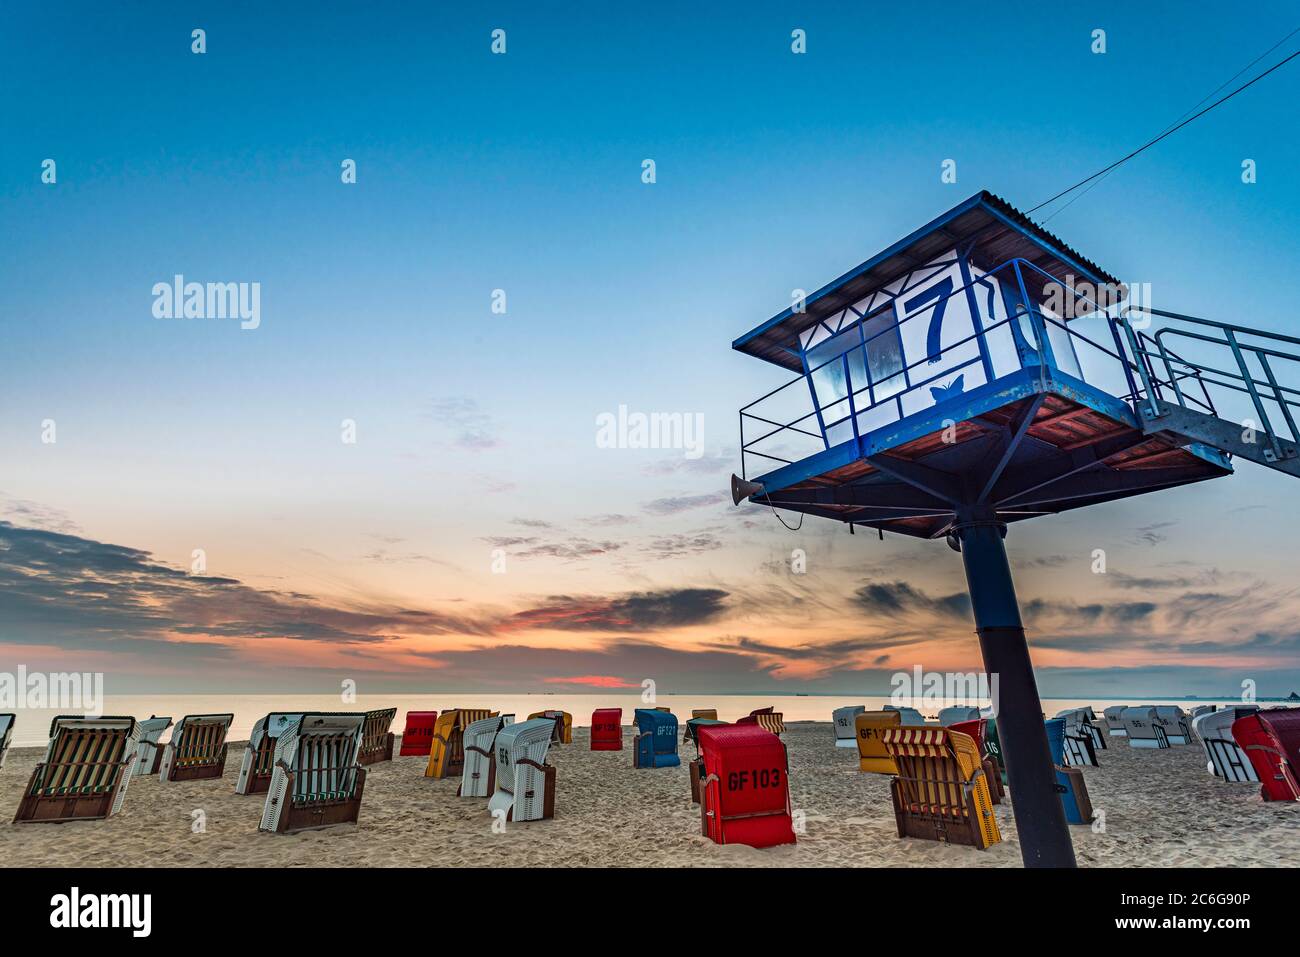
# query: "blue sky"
523,172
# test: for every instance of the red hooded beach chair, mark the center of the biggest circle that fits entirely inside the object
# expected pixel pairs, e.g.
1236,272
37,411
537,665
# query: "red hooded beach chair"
1271,739
745,790
607,729
417,738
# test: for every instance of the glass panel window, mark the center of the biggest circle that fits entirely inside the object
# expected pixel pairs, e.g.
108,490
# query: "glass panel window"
827,366
884,353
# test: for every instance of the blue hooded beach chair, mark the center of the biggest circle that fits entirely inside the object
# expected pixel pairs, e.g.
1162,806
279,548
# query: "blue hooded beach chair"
656,739
1069,780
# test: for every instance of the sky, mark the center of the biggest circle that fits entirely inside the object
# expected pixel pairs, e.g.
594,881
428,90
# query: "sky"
200,523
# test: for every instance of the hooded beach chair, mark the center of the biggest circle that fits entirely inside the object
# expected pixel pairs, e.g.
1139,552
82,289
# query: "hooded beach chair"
696,764
1114,718
85,773
259,757
1080,747
940,792
479,775
6,734
417,736
655,743
1177,725
447,747
1225,757
870,727
977,730
148,757
563,724
316,780
710,713
950,716
1271,739
1199,710
844,719
525,783
1143,728
911,717
197,748
1069,781
377,741
607,729
1086,720
745,790
767,719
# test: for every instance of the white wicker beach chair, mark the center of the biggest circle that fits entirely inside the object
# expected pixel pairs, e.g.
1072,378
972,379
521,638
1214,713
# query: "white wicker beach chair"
259,756
1178,727
1144,727
1080,744
317,780
846,734
149,752
957,714
1225,757
6,734
1114,717
478,776
525,783
197,748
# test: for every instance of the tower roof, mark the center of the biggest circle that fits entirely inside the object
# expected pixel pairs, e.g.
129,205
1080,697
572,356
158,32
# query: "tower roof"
1000,231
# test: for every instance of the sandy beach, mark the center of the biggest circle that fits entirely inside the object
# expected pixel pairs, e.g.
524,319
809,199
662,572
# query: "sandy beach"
1160,807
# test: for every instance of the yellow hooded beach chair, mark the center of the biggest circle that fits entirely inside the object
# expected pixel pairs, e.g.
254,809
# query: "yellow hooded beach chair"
870,727
447,749
563,724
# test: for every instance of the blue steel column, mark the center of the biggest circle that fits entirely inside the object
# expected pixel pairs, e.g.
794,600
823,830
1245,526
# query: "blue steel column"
1031,778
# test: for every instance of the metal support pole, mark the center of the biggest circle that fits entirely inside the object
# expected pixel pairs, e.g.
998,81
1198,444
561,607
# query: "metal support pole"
1040,817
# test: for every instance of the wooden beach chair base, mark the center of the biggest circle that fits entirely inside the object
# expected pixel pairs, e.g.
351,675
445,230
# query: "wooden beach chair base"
697,774
57,808
318,814
201,772
936,822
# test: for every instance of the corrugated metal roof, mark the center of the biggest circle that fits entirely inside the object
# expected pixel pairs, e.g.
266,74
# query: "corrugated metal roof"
1004,233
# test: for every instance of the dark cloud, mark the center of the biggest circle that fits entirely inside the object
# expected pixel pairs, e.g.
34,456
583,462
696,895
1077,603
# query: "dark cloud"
636,611
899,598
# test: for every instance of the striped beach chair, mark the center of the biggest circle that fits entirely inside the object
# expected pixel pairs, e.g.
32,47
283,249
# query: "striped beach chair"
259,757
479,775
316,780
149,751
940,792
85,773
844,721
377,741
6,734
563,724
197,748
525,783
447,747
869,728
767,719
1226,759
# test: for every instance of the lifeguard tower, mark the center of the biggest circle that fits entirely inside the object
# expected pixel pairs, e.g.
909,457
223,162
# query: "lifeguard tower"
980,372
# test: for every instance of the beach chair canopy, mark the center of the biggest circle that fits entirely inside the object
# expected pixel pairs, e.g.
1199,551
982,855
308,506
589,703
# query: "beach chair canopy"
1224,757
1178,726
950,716
417,735
86,770
1271,739
765,718
607,729
197,748
845,722
656,739
705,713
317,779
478,776
1114,717
940,792
694,724
870,727
745,792
563,721
525,783
149,750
